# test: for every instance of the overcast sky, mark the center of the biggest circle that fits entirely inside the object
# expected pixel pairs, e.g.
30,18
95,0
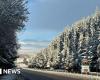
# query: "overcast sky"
48,18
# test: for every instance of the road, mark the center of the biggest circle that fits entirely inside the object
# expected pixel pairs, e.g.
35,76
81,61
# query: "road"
34,75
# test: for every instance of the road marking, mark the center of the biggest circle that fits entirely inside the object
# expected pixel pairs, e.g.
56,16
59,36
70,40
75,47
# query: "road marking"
0,71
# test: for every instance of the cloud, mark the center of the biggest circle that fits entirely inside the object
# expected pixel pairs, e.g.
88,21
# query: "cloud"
42,0
34,43
37,0
29,46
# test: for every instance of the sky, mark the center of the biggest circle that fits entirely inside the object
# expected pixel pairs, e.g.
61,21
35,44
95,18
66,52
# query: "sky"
48,18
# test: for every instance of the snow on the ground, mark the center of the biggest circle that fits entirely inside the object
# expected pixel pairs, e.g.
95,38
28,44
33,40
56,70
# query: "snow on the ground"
73,75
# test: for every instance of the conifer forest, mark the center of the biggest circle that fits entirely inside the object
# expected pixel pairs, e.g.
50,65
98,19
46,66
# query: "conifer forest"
78,41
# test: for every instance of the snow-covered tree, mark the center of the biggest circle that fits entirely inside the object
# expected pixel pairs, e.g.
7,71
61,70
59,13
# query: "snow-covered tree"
12,18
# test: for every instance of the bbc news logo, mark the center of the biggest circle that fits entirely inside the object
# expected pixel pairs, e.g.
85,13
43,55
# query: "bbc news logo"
10,71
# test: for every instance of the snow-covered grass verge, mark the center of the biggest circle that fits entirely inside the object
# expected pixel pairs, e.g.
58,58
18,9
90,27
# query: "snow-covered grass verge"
66,74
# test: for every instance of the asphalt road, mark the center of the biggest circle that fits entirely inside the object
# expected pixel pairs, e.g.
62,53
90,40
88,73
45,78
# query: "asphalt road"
34,75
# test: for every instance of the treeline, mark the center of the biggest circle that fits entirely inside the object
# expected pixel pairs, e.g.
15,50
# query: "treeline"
68,49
